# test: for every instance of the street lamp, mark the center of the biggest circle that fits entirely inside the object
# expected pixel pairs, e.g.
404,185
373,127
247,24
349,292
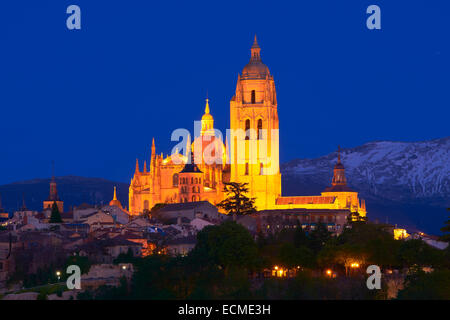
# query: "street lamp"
58,274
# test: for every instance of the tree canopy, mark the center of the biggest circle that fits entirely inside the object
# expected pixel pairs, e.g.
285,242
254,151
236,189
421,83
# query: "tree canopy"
236,201
55,216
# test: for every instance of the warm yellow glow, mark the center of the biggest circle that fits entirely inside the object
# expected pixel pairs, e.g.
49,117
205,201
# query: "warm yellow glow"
58,273
276,268
400,234
329,272
355,265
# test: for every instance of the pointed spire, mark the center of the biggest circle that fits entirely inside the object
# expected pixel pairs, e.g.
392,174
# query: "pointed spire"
188,149
153,146
145,166
115,193
207,106
53,194
24,207
255,51
137,165
339,154
255,43
339,172
53,170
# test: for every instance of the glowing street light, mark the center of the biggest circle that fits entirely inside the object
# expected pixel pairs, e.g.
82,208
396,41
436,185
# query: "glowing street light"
329,272
355,265
58,274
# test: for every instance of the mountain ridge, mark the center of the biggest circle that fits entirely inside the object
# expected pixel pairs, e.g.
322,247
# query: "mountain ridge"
407,183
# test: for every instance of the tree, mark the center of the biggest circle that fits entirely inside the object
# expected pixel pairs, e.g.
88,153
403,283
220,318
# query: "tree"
56,216
446,230
291,256
318,237
429,286
226,245
237,202
418,253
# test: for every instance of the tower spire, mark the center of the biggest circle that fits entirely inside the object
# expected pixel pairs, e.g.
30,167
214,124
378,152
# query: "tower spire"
53,195
207,105
339,154
137,165
207,121
339,172
53,170
24,207
115,193
255,51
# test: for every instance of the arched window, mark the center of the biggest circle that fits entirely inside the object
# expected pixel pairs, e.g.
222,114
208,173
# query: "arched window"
261,168
247,129
259,129
246,169
193,198
193,189
192,180
175,180
253,97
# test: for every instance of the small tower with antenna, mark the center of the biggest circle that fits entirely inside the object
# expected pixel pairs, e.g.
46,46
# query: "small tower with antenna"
53,194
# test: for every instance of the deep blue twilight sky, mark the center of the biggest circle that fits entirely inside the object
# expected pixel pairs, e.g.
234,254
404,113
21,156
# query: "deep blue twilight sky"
93,99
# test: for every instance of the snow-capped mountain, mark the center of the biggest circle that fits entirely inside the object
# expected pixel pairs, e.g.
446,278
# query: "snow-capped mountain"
398,173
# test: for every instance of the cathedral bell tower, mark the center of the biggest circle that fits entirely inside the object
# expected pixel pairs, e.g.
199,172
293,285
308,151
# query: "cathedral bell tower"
254,137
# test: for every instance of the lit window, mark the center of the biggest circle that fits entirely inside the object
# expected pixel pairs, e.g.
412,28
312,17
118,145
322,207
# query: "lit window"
247,129
259,129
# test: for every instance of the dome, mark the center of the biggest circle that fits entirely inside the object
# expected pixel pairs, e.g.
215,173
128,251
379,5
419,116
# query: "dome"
207,116
255,68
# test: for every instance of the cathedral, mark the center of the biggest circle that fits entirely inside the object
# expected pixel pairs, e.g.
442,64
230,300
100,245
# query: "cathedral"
250,155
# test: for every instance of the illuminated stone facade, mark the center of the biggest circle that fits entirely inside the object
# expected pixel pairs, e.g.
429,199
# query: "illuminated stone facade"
250,155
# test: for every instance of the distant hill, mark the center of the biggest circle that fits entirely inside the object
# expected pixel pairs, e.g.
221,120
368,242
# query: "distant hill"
71,189
403,182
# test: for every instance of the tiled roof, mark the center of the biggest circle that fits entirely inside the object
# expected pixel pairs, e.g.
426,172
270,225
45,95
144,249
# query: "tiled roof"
338,188
183,206
185,240
305,200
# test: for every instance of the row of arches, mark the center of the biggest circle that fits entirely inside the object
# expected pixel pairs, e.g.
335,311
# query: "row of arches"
195,189
186,180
